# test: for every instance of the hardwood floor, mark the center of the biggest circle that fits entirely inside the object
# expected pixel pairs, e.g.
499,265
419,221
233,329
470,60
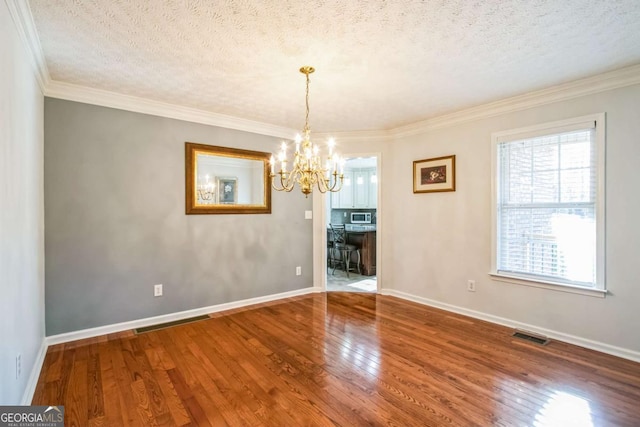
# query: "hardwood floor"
336,359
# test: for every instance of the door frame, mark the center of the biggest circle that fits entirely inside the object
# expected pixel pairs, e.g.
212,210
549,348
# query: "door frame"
320,229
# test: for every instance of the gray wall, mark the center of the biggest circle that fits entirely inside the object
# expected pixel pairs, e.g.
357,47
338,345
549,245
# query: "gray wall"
21,216
115,222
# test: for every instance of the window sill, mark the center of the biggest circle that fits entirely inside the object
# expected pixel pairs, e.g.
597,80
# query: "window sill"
580,290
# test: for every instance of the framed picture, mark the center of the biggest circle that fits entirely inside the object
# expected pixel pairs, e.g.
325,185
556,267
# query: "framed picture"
433,175
227,190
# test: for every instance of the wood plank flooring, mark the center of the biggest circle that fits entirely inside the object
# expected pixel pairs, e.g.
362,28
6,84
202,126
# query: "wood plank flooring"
343,359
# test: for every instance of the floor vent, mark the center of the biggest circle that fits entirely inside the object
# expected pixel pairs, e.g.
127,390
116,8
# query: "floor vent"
538,339
169,324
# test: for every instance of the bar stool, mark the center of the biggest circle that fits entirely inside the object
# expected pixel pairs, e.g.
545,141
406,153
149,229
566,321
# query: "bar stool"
340,252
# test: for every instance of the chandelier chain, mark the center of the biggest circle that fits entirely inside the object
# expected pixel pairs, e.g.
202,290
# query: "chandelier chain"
306,119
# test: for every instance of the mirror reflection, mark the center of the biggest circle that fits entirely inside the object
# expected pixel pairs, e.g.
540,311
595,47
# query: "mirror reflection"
226,180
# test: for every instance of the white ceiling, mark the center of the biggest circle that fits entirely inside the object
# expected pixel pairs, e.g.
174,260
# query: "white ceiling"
380,64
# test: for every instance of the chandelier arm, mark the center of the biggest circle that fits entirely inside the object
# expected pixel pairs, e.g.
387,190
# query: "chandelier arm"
283,183
288,188
329,183
275,187
332,183
333,188
325,182
289,181
318,180
322,184
283,186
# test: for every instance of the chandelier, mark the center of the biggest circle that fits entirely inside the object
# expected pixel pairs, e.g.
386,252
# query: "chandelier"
206,191
308,169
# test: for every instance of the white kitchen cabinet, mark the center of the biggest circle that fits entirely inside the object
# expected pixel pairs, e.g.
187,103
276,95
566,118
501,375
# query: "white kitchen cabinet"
344,197
359,191
373,188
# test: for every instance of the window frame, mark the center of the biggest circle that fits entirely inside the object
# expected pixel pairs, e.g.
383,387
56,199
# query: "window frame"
550,128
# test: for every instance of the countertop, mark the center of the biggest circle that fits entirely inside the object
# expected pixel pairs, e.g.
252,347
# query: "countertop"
358,228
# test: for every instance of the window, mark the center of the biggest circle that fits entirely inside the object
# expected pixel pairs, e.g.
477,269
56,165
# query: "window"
548,204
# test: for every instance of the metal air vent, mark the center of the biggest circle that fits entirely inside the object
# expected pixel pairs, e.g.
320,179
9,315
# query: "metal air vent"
530,336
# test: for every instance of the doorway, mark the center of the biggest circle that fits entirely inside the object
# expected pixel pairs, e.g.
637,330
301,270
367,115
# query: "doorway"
351,217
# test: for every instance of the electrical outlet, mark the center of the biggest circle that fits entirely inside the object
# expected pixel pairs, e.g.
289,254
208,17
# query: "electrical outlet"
157,290
308,214
471,285
18,366
345,214
298,271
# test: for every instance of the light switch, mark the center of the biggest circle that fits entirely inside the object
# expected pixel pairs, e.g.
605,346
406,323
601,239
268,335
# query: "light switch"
308,215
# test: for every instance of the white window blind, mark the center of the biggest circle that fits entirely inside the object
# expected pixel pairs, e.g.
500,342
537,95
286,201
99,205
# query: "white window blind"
547,205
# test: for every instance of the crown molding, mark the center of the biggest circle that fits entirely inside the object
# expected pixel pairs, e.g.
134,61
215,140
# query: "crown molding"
602,82
608,81
358,136
26,28
105,98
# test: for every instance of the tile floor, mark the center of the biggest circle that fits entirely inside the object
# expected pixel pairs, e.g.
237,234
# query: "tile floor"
340,282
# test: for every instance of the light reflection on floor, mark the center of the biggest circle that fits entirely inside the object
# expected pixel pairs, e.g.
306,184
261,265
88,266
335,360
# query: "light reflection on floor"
564,410
561,408
355,351
363,356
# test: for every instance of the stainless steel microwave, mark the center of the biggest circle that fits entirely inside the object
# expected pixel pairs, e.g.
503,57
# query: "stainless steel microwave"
360,218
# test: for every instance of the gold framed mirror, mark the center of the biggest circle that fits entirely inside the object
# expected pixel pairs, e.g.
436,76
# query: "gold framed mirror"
223,180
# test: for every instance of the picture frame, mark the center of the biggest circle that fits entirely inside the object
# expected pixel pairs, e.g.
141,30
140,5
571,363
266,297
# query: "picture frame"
227,190
433,175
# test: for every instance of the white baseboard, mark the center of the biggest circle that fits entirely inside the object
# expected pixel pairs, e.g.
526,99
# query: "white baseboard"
27,396
119,327
560,336
140,323
30,389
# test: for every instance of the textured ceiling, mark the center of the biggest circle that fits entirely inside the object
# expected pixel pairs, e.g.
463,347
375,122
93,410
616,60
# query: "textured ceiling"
380,64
